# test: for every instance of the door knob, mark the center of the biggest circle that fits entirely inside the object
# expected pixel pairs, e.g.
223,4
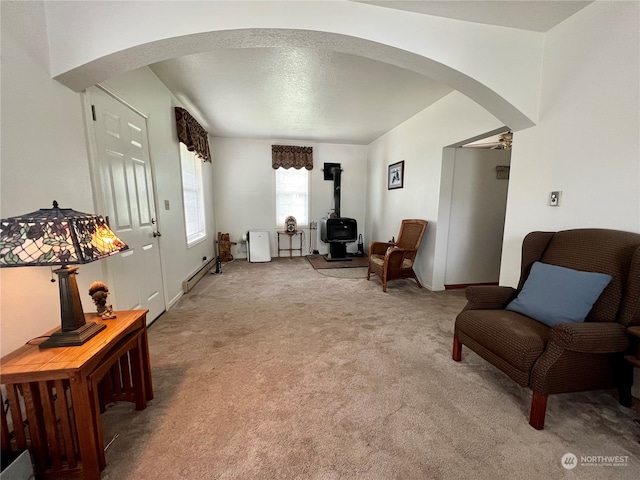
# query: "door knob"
157,234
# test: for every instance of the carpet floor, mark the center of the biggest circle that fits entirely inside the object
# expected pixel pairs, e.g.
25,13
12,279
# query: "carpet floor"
357,272
272,371
319,263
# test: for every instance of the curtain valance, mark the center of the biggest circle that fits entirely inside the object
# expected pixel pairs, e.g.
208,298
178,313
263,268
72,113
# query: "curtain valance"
191,133
287,156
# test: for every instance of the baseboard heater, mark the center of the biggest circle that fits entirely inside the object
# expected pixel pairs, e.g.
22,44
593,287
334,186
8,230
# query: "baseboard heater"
190,282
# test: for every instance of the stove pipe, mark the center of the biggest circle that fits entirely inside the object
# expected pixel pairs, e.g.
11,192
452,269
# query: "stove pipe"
336,172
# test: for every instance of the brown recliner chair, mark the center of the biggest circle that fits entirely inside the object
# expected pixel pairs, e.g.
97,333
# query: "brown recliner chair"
567,357
394,261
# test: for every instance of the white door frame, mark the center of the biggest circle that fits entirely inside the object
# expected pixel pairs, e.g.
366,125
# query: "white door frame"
444,207
96,184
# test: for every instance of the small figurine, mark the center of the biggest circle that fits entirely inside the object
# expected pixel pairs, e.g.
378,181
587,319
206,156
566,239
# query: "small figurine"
99,293
108,313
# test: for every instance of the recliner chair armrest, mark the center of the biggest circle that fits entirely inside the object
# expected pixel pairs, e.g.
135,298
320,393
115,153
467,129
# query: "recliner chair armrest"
379,248
590,337
488,297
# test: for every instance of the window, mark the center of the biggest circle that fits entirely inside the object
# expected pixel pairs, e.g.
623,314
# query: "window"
292,195
192,195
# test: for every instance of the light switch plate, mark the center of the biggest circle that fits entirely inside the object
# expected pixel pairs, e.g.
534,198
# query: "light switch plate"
554,198
166,205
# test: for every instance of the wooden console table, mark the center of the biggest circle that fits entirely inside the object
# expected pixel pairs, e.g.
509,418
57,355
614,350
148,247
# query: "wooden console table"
290,249
64,389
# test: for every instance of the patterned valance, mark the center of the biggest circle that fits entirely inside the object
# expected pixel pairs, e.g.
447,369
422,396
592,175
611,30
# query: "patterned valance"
287,156
191,133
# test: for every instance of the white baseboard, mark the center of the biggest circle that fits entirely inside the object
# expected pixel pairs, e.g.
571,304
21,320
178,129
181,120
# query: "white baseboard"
174,300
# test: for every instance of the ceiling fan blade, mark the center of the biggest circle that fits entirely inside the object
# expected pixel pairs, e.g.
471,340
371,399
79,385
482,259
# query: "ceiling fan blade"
484,145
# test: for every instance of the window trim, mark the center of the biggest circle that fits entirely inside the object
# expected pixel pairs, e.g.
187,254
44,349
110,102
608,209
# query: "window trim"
275,200
200,236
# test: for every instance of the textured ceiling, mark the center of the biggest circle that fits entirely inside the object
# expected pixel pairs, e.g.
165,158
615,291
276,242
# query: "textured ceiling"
297,93
319,95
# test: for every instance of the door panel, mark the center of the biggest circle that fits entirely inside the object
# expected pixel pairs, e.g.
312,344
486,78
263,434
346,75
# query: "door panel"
127,188
126,286
116,181
142,191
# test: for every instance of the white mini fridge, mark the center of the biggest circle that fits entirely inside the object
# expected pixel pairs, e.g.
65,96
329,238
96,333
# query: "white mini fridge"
258,246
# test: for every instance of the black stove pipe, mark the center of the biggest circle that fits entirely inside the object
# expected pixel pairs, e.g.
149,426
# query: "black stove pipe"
336,171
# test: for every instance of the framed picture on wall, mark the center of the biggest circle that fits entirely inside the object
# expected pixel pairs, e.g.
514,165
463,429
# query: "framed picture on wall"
396,175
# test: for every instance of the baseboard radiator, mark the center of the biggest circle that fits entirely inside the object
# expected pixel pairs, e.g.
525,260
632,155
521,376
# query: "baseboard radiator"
195,277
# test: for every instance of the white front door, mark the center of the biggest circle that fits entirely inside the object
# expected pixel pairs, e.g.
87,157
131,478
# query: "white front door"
126,184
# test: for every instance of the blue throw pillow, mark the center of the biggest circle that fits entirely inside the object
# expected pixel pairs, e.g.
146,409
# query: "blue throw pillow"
554,295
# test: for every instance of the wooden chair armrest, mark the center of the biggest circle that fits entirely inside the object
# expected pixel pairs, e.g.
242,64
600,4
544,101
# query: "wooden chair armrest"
379,248
394,257
397,251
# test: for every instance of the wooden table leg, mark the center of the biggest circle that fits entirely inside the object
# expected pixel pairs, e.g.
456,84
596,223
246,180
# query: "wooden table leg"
138,376
97,420
146,365
66,422
37,433
85,427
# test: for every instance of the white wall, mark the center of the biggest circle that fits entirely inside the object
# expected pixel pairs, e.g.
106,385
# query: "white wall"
419,142
244,189
44,157
478,202
471,60
145,92
587,143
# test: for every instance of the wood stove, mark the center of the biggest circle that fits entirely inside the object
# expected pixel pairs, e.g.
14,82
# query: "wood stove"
337,231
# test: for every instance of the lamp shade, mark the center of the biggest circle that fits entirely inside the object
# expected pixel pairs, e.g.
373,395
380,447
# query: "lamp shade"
60,237
56,236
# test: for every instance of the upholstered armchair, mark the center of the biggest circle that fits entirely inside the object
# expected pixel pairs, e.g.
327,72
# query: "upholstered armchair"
554,355
394,261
